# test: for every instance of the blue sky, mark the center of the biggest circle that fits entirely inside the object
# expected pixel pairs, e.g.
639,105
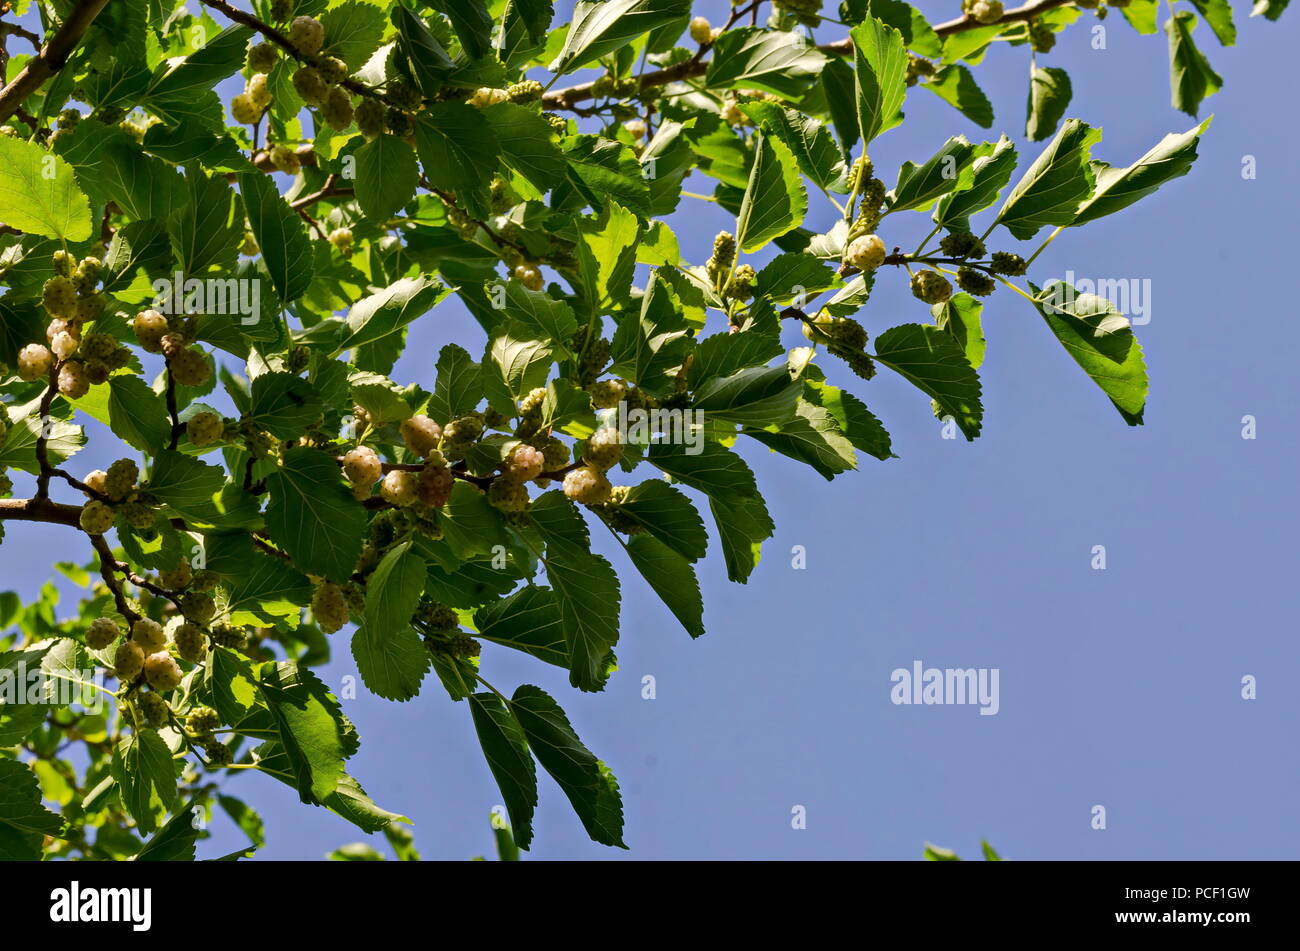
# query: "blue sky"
1119,687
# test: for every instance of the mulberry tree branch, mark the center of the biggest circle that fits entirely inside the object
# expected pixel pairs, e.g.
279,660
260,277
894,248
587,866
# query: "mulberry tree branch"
52,57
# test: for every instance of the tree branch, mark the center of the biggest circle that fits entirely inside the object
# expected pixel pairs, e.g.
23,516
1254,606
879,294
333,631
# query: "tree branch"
51,57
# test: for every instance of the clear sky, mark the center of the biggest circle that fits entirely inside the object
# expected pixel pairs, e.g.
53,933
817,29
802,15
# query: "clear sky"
1118,687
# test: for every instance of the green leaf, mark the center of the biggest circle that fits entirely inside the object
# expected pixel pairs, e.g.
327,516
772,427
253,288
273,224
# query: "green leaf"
284,405
775,201
515,363
1269,9
1117,188
470,20
316,737
607,256
1100,339
207,229
353,30
960,316
142,768
713,469
1141,15
175,841
838,83
1055,185
755,396
648,349
672,578
933,361
743,525
1049,97
587,781
393,591
814,149
313,517
956,86
540,311
458,389
1218,13
917,33
506,749
386,177
23,820
187,485
664,513
392,663
990,854
457,140
812,436
880,65
137,415
918,187
422,55
1191,78
602,26
39,193
601,170
285,248
856,422
585,585
774,61
527,145
980,183
529,620
387,311
246,818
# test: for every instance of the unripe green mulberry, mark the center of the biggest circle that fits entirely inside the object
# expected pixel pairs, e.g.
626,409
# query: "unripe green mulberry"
204,428
329,606
86,275
202,720
128,661
606,394
59,297
528,90
89,307
433,485
263,57
525,463
437,615
975,282
310,87
555,452
224,635
65,262
861,364
508,495
337,108
369,116
332,69
281,10
866,253
400,488
191,643
96,518
587,486
701,30
204,580
198,606
285,159
1041,37
97,346
154,709
931,287
559,125
917,66
595,357
219,755
1004,262
34,362
102,632
190,368
307,35
398,122
462,432
961,244
404,96
138,515
119,481
723,257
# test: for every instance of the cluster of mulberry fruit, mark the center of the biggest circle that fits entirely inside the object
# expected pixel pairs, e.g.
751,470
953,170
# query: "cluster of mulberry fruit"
173,336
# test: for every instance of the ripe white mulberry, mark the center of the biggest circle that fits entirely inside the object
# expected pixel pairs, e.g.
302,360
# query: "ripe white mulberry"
307,35
198,606
179,577
162,672
150,327
244,110
102,632
363,469
587,486
603,449
329,605
530,276
433,485
149,635
96,517
866,253
606,394
983,11
73,382
153,708
284,158
34,362
421,434
128,661
701,30
263,57
59,297
337,108
399,488
525,463
64,344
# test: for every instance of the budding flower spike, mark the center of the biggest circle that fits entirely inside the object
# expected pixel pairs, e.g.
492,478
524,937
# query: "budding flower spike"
456,331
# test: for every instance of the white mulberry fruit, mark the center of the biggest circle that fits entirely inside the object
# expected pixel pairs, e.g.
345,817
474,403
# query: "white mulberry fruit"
263,57
191,642
508,495
204,428
179,577
307,35
329,606
866,253
154,709
983,11
120,479
529,276
606,394
701,30
202,720
421,434
128,661
525,463
162,672
59,297
284,158
34,362
150,327
433,485
149,635
96,517
102,632
363,469
190,368
337,108
587,486
400,488
73,382
244,110
931,287
603,449
198,606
